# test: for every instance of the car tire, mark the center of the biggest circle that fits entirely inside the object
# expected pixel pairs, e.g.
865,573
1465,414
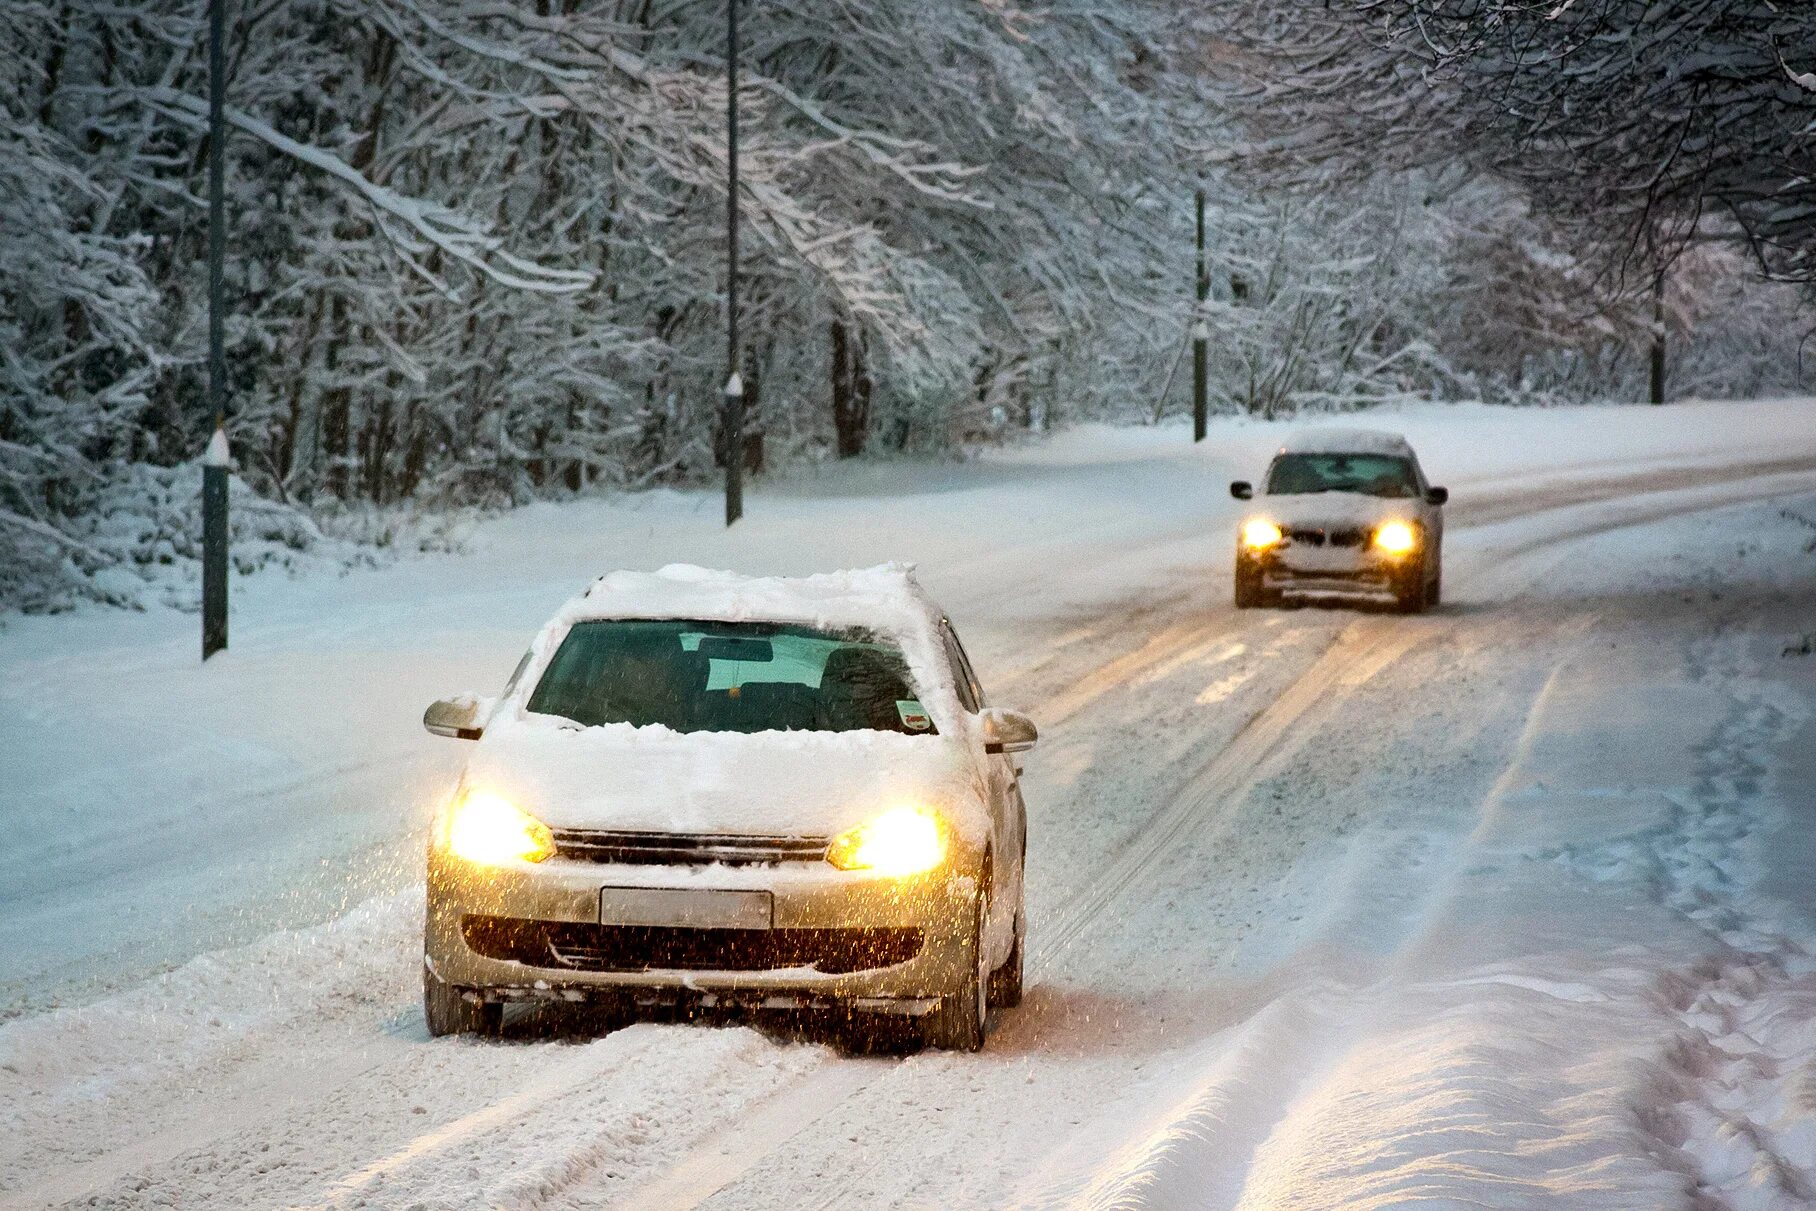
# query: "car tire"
447,1011
1006,981
960,1020
1411,593
878,1034
1250,593
1434,591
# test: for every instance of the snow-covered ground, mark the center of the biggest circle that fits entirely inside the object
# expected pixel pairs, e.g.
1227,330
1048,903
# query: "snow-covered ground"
1508,905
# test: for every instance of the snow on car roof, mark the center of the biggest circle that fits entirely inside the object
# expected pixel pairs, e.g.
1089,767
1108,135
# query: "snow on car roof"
1333,439
884,598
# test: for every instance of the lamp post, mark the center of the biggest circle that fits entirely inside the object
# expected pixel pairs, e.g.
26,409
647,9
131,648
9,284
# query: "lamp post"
1201,335
733,424
215,462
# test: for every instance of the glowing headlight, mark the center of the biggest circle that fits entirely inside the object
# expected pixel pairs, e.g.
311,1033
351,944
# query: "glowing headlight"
490,830
1258,533
902,841
1396,538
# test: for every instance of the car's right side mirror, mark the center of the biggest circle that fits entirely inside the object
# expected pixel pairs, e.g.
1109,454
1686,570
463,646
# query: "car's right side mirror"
1242,490
1437,496
1008,732
459,718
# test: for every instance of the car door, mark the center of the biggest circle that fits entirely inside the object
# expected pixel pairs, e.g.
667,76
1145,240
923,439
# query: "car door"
1009,817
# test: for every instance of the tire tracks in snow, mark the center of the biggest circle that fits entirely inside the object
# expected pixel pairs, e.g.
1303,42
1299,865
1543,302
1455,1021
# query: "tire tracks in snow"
1199,1149
1358,653
1355,654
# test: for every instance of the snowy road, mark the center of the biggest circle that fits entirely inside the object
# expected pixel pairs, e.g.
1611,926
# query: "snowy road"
1504,905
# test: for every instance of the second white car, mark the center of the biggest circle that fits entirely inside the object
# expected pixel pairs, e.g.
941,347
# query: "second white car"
1342,513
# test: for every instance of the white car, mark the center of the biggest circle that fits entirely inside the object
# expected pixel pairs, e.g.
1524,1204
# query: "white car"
1343,512
705,788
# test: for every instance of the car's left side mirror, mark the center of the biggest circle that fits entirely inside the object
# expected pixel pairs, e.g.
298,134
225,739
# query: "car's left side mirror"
1242,490
459,718
1437,496
1008,732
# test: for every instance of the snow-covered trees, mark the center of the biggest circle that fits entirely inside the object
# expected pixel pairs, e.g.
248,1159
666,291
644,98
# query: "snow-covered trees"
1633,121
477,249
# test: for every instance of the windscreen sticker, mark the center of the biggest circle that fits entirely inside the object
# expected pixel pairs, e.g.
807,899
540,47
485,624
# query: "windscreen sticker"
914,716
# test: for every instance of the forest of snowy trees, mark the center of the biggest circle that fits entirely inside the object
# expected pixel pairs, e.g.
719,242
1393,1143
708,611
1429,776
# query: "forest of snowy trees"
476,249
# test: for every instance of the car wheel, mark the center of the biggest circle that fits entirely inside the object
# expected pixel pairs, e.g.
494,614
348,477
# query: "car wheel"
448,1012
1410,593
1250,594
959,1021
1434,592
878,1034
1006,981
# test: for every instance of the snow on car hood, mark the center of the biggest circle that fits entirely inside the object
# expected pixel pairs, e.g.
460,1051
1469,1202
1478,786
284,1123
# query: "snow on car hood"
768,783
1336,509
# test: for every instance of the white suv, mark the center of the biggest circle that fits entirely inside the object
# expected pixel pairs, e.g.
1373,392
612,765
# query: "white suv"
1344,512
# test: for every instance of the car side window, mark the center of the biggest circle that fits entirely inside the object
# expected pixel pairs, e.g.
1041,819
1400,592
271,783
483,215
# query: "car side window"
510,687
970,691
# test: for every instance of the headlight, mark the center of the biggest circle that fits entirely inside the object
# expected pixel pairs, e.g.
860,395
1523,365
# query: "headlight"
490,830
1396,538
902,841
1258,533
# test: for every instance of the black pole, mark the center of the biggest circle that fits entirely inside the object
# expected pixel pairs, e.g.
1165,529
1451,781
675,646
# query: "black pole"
1657,392
1200,353
734,387
214,470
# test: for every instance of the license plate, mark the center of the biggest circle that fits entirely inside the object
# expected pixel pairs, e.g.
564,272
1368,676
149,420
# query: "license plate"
686,907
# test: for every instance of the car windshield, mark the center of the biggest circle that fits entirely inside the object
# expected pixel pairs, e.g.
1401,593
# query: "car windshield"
1367,474
730,677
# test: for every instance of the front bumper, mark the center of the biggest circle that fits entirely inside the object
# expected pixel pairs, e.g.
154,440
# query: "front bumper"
561,929
1353,572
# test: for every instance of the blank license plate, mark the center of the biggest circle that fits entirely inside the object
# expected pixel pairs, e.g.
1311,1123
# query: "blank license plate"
704,909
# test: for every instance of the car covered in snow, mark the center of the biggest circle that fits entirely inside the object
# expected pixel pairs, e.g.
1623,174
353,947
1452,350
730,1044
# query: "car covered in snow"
1342,512
718,790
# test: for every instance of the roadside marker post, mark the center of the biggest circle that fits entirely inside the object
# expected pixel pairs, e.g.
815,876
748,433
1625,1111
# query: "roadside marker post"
216,465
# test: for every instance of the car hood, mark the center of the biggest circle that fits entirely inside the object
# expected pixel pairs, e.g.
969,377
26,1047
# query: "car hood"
769,783
1333,509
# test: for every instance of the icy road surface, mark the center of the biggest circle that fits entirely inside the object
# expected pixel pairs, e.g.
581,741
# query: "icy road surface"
1509,905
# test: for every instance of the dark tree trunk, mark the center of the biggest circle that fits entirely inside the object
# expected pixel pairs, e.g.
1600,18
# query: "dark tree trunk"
1658,341
337,406
753,417
376,445
416,453
850,394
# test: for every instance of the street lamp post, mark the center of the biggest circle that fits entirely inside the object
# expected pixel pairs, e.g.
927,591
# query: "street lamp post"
1201,335
733,425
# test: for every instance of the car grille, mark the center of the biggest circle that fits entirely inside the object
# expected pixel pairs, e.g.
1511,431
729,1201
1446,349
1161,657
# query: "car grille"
685,849
1318,536
580,946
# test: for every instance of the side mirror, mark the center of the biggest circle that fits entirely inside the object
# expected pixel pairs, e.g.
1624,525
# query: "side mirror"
1242,490
1437,496
1008,732
459,718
